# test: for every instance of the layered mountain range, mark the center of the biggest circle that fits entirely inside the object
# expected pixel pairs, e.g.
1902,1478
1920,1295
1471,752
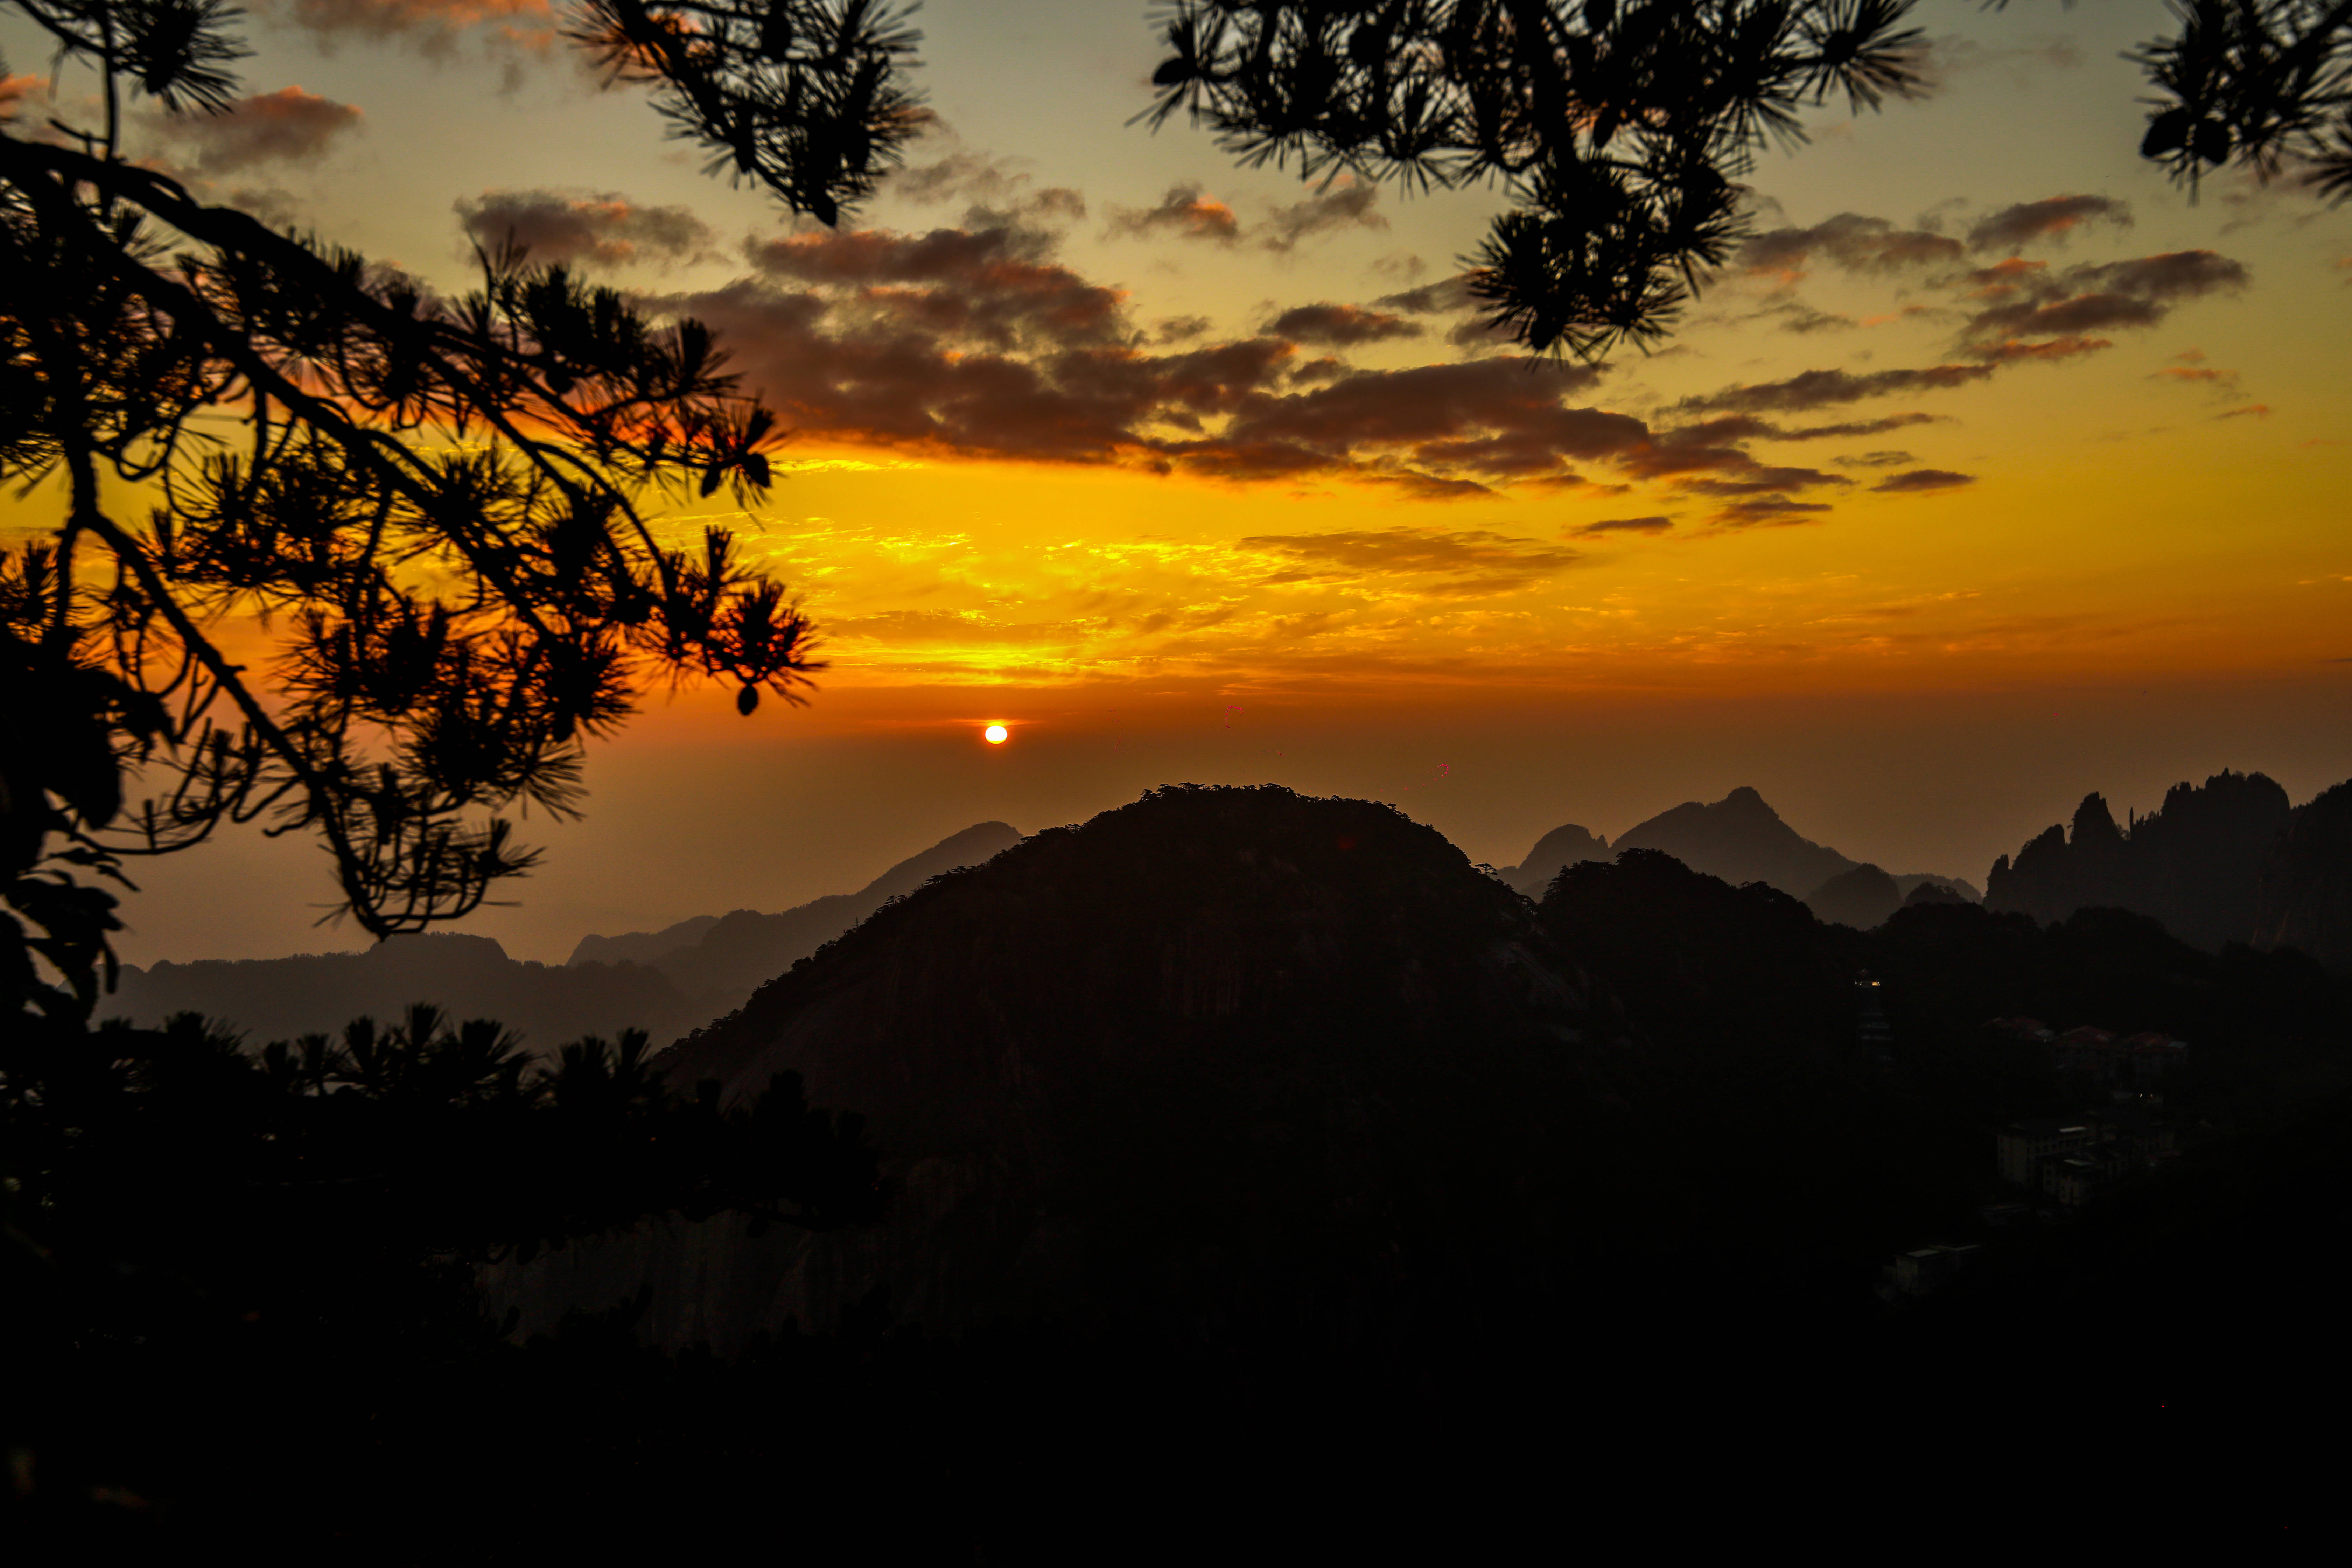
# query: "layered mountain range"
1741,840
665,981
1236,1067
2227,861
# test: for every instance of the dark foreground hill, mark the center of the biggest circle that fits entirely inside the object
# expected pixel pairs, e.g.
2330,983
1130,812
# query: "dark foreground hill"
1219,1063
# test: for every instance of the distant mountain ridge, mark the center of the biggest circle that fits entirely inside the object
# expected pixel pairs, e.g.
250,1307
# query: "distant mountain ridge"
719,962
465,976
665,983
1740,839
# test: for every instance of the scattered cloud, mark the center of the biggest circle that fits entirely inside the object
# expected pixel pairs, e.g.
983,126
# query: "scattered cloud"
1828,388
2053,217
1346,203
2252,410
433,26
1953,55
1340,325
1850,242
1184,212
1768,512
17,91
1455,565
286,125
1884,459
605,230
1443,298
1655,524
1922,482
2022,304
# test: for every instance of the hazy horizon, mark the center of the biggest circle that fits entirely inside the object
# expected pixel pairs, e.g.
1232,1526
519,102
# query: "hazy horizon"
1908,785
1994,470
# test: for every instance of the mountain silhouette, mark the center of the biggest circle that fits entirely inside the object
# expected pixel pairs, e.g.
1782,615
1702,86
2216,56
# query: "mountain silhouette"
2194,864
1559,849
664,982
2303,896
467,976
1218,1054
718,962
1741,840
1862,897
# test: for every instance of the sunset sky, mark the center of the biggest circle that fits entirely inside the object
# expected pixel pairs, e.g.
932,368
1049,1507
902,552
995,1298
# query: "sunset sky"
1994,470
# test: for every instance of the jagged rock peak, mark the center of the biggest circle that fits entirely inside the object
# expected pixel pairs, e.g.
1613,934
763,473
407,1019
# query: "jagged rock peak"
2093,822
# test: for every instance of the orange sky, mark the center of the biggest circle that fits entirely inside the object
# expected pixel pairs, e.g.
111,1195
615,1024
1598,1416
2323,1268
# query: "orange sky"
1993,471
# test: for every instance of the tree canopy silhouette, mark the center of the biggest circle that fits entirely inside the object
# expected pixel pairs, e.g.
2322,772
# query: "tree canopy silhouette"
1621,129
443,507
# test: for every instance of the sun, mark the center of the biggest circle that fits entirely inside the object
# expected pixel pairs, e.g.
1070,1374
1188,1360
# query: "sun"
994,734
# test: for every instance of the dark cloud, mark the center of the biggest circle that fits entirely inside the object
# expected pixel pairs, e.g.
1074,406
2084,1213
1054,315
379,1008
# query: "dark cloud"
1183,212
1849,241
2053,217
1490,419
1829,388
1918,481
996,284
1804,320
1855,427
1441,298
2049,349
1768,512
286,125
1464,564
607,230
1342,326
1706,459
1350,204
1761,480
1624,525
1886,459
2022,305
981,342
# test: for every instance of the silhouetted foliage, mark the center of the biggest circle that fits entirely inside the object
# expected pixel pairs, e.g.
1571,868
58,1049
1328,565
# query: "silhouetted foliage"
445,503
294,1225
1621,129
445,509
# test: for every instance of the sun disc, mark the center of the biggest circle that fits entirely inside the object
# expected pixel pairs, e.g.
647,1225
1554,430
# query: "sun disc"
994,734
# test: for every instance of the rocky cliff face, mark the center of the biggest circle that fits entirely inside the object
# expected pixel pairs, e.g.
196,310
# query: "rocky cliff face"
1220,1054
2193,864
2303,898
